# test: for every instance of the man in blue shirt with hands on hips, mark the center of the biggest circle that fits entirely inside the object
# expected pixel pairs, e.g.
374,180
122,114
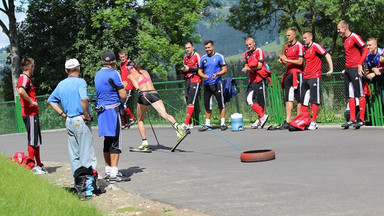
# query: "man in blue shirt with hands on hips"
72,94
212,67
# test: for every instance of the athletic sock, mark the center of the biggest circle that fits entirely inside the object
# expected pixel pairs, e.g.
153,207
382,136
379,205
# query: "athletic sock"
222,121
31,152
315,110
304,108
129,113
107,170
190,109
352,109
208,122
362,102
258,109
36,150
114,171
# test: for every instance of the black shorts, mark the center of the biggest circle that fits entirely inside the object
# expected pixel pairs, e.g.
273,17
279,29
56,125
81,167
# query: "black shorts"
112,144
213,90
310,91
256,92
292,94
191,90
32,125
353,83
148,98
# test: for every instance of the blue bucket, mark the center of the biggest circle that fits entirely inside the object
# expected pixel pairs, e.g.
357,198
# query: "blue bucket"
237,122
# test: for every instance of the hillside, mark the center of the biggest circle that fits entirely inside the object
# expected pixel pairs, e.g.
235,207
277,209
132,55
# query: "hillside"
229,41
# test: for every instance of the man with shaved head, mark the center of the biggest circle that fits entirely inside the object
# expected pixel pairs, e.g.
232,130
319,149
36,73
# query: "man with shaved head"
355,55
258,80
313,52
292,79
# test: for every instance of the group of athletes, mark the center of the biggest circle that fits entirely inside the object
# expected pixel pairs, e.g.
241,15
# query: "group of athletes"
114,89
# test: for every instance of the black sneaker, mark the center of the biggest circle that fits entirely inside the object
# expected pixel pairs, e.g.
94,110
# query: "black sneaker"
358,124
284,126
131,122
203,128
223,127
347,124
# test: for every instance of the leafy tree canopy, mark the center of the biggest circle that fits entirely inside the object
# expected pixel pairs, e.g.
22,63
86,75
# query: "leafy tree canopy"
318,16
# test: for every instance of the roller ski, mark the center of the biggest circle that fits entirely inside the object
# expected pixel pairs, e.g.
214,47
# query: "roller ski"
144,147
181,134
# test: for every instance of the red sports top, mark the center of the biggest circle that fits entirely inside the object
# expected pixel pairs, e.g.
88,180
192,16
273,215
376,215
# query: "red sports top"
294,52
193,63
312,56
252,59
26,108
355,50
124,74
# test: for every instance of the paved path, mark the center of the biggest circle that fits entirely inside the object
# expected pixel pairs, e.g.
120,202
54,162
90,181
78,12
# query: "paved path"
325,172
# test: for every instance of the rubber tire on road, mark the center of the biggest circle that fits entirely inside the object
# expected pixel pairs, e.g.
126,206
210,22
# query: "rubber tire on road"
257,155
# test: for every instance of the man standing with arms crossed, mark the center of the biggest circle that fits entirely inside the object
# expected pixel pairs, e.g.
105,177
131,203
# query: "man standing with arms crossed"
312,75
191,64
30,113
292,79
72,94
212,67
109,91
258,81
127,123
355,55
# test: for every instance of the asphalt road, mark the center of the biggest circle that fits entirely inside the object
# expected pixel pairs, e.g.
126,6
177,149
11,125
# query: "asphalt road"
324,172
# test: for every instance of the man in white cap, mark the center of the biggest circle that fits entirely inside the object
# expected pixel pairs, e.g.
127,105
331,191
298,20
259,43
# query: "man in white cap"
72,94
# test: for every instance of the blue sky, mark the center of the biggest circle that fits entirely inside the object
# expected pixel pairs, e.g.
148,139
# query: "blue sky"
4,41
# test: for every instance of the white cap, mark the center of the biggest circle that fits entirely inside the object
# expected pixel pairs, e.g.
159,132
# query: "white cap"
71,63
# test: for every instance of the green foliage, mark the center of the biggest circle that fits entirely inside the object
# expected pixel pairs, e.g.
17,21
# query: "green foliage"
37,197
6,88
318,16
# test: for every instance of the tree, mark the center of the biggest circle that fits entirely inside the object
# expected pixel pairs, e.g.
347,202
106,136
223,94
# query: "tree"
162,28
320,17
11,31
48,35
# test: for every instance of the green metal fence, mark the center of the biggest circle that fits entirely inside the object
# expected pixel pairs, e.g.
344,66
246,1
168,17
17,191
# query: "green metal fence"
172,94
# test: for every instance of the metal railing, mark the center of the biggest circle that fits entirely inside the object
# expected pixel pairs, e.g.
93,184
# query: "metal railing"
172,93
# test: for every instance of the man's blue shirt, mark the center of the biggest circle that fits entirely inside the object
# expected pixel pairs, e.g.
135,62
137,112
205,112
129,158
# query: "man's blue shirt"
373,60
212,65
106,94
69,93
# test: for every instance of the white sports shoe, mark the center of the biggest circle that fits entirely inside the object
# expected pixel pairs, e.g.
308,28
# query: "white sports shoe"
190,126
180,132
184,126
256,124
312,126
263,120
37,170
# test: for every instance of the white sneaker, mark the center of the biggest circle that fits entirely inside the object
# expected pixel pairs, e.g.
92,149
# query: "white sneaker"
263,120
190,126
37,170
312,126
180,132
44,169
184,126
256,124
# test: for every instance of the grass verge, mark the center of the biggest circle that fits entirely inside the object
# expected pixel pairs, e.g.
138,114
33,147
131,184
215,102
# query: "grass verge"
24,193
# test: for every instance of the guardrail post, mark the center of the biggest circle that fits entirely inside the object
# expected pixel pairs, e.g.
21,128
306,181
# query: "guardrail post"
19,119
